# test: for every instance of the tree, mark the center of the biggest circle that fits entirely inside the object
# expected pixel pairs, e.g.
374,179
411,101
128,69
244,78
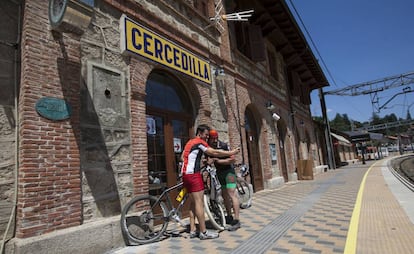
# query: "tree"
318,119
375,119
341,123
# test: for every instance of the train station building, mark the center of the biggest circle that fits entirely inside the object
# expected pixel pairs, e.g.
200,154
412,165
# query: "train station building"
96,94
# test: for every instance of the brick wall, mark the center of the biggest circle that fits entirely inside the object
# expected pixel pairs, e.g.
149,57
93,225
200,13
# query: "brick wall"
50,166
49,190
138,73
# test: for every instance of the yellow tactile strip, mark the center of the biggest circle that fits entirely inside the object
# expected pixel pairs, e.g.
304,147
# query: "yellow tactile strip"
324,227
384,227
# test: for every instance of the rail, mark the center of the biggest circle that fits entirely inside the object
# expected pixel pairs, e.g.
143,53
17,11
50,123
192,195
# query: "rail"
399,173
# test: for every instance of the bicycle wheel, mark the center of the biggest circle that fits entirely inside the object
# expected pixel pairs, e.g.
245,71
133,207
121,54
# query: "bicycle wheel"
244,193
215,213
144,220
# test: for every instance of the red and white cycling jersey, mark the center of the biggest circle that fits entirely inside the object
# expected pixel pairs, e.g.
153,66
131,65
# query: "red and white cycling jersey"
192,155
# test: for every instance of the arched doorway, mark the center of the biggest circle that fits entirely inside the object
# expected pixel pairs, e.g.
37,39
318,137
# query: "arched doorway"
252,135
169,122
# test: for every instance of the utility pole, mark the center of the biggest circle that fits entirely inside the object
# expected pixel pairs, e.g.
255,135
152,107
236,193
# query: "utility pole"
328,138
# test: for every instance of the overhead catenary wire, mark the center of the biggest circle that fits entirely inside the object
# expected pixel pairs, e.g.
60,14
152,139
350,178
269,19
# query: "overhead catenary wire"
312,42
329,144
317,50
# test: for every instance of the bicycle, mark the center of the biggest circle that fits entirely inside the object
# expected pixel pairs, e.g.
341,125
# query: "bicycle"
144,219
212,198
243,188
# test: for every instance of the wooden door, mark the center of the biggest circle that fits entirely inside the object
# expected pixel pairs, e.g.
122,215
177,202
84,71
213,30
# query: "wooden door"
253,152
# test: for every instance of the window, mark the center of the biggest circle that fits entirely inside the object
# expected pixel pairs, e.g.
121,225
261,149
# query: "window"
169,121
250,41
201,6
273,68
164,92
294,83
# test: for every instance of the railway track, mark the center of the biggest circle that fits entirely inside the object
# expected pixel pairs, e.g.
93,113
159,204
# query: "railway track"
403,169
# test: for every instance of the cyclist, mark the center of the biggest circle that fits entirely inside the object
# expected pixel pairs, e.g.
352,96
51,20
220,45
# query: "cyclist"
227,178
192,179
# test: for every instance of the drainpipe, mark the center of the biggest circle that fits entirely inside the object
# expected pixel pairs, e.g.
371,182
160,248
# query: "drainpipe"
239,122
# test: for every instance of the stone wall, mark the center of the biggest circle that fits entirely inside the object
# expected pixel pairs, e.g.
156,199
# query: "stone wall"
105,120
7,166
9,73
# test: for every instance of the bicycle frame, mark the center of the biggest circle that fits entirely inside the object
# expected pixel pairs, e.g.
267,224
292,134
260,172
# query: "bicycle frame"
240,188
215,189
165,197
212,198
242,173
150,221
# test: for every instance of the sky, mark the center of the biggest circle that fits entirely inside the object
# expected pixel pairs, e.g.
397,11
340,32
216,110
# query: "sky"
359,41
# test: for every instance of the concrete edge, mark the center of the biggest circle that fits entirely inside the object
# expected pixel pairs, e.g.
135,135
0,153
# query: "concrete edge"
91,238
403,195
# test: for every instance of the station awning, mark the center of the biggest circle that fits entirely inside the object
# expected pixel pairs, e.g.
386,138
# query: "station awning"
341,140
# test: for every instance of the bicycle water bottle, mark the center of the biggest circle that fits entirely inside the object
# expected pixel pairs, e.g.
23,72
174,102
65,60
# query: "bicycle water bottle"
181,194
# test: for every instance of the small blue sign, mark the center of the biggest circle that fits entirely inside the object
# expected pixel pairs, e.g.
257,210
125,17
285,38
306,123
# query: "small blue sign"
53,108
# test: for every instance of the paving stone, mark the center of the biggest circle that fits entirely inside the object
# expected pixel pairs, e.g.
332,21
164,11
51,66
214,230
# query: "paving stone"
309,217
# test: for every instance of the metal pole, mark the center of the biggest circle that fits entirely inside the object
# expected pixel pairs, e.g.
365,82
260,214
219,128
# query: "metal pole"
328,137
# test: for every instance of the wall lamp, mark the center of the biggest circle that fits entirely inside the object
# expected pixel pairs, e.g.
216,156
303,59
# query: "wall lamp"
275,117
219,73
70,15
270,106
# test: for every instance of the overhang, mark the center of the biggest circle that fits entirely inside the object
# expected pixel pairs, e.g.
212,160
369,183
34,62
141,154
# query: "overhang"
361,136
280,28
341,140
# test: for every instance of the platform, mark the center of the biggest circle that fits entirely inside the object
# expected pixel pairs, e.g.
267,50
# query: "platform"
359,208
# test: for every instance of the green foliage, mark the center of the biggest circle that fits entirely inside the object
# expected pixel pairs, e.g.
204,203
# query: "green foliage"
343,123
318,119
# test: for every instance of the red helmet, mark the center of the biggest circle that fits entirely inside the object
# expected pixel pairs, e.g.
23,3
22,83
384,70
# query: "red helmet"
213,134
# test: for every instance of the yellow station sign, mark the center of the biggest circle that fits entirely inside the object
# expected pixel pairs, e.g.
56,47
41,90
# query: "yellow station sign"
138,40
